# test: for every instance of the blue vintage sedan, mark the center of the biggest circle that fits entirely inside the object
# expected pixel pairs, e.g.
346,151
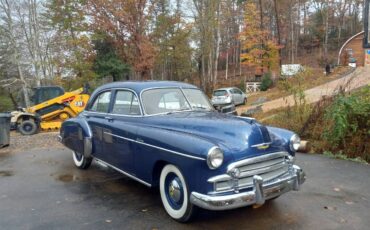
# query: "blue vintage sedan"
167,135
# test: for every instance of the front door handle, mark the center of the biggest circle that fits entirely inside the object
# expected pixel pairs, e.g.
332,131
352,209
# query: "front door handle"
110,119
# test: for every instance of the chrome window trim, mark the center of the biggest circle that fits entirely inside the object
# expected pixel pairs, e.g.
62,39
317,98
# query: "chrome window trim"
122,115
138,100
125,173
157,147
93,100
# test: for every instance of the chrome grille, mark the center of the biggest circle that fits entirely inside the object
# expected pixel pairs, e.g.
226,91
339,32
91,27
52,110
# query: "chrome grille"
268,166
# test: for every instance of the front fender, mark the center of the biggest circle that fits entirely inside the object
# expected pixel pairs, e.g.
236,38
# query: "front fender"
186,151
282,137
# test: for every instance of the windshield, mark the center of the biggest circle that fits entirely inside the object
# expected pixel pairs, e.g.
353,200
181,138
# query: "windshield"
218,93
197,99
167,100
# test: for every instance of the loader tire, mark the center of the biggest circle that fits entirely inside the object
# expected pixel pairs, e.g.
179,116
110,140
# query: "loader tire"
28,127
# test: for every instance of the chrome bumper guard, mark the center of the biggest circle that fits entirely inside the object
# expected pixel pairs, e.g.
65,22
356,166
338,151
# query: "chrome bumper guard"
261,192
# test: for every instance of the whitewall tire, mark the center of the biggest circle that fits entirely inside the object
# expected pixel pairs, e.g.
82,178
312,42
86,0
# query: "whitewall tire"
174,194
80,160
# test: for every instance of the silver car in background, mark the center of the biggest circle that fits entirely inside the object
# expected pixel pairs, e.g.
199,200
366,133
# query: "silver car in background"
228,95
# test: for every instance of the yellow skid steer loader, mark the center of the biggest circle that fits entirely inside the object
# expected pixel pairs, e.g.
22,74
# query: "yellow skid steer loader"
51,107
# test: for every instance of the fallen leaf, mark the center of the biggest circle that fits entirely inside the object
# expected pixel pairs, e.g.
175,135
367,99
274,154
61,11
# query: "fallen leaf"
330,208
337,189
349,202
144,210
108,221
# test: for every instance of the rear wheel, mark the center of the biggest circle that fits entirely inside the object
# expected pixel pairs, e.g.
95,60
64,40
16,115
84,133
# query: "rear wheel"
175,195
81,161
27,127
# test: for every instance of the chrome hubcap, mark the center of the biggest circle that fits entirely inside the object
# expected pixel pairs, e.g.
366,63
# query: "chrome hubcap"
174,191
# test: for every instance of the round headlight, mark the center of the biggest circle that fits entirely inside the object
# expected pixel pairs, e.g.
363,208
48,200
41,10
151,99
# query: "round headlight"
295,142
215,157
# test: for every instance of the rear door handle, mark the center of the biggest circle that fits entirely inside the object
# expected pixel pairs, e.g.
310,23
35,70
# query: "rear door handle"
110,119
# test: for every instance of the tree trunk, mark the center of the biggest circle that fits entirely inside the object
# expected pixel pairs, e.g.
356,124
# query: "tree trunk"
278,29
218,40
326,31
24,86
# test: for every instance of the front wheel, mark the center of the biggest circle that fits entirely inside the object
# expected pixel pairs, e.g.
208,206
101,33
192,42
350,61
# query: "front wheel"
28,127
81,161
175,194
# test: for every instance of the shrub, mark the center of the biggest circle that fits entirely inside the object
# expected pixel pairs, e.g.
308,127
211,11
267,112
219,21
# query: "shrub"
348,124
5,104
266,81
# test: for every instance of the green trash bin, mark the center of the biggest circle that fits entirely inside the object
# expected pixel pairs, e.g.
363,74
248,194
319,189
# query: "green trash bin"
4,129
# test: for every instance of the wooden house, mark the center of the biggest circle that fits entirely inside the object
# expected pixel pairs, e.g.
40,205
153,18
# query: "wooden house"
356,50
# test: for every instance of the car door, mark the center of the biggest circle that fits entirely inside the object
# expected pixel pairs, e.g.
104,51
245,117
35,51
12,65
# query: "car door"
235,96
96,118
120,137
239,94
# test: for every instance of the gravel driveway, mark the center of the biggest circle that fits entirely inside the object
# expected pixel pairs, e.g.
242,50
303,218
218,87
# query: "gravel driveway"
41,189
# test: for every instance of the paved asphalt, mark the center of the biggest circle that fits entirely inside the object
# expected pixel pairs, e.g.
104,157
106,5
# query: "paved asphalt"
41,189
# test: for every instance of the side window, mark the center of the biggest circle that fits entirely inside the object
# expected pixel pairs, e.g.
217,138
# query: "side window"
126,103
101,103
238,91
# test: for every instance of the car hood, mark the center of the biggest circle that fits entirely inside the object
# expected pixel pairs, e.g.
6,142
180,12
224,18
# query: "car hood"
237,135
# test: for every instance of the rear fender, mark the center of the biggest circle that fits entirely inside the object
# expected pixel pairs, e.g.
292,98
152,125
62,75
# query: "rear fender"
75,134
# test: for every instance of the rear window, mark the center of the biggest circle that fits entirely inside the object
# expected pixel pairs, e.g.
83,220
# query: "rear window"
219,93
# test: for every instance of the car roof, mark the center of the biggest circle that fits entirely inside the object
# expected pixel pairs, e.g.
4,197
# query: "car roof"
139,86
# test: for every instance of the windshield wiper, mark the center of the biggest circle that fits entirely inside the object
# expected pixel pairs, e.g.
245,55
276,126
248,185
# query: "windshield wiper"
179,110
199,107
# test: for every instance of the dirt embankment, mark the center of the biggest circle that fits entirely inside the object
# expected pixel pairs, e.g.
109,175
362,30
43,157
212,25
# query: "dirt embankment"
19,142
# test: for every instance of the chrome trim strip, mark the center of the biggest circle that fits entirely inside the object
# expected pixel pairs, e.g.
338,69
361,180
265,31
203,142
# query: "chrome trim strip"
125,173
114,114
157,147
88,128
262,144
222,177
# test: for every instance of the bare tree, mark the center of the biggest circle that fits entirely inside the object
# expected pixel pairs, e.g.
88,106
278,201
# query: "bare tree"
7,8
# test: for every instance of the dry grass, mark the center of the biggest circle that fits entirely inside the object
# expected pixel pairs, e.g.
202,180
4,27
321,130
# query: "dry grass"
315,77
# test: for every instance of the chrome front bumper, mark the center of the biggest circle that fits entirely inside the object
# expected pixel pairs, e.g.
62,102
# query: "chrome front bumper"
261,192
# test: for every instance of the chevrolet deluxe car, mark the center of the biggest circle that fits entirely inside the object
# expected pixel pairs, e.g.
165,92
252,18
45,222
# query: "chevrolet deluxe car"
167,135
